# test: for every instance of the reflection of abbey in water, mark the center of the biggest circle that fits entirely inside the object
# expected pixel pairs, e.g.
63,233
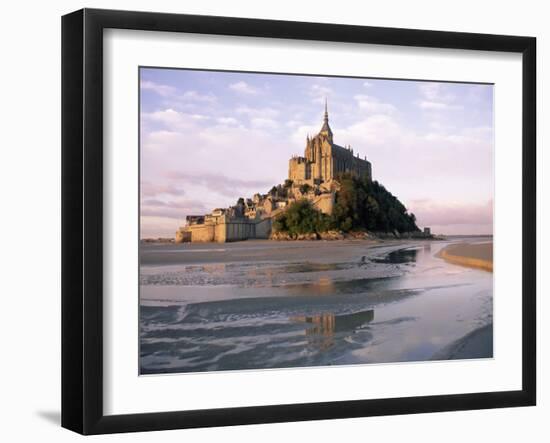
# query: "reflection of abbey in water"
327,324
312,177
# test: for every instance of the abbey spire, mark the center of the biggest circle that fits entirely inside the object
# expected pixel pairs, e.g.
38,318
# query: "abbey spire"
325,129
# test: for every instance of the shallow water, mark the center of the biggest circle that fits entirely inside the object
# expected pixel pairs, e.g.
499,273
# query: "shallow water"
256,305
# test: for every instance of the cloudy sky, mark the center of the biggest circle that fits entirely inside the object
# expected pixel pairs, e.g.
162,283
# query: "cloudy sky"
208,138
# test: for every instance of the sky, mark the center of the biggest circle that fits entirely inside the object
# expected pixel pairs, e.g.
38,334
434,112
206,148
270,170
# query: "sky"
210,137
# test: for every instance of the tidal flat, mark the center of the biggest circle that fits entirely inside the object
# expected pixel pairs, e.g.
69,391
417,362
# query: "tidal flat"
265,304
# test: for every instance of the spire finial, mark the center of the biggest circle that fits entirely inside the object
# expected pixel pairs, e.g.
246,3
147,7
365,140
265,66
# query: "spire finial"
326,109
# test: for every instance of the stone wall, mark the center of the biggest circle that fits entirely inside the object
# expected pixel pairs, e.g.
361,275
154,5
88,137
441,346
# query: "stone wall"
345,161
239,230
324,161
263,228
225,231
298,169
324,203
202,233
220,232
182,236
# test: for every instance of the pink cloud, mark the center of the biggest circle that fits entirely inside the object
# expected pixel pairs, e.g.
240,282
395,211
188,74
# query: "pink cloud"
149,189
222,184
176,209
431,213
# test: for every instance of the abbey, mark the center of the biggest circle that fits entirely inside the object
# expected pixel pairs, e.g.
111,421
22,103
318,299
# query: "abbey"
324,160
313,177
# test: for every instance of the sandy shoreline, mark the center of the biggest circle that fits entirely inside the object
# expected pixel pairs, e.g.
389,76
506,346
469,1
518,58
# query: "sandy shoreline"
259,250
473,255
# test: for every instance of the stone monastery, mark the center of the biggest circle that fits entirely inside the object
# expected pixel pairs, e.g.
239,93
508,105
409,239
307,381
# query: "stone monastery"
324,160
313,177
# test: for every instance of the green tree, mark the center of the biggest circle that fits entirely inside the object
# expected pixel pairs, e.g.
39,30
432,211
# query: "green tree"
301,218
362,204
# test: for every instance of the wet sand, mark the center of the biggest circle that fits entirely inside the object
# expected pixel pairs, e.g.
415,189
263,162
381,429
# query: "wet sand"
264,304
476,344
475,255
255,250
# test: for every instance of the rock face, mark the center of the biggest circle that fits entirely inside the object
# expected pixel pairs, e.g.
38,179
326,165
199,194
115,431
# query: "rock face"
331,235
328,236
287,236
280,236
309,236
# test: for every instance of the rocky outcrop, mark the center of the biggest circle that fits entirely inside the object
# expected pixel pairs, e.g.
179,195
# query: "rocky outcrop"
332,235
327,235
287,236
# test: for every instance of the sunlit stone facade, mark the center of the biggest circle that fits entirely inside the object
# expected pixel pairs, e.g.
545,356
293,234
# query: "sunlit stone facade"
324,160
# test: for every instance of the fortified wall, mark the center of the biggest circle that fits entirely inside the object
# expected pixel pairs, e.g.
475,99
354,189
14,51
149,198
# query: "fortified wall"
224,230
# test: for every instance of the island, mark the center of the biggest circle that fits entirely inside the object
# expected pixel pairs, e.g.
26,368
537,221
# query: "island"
329,193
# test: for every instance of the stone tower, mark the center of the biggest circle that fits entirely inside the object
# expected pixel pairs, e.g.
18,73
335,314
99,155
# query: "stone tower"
324,160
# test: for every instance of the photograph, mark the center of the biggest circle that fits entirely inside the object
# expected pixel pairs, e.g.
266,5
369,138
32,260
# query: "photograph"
292,221
266,222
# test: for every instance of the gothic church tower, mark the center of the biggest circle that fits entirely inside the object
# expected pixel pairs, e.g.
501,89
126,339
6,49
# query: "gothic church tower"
324,160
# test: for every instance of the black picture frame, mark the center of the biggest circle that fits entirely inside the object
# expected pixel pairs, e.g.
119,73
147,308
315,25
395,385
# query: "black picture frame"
82,218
